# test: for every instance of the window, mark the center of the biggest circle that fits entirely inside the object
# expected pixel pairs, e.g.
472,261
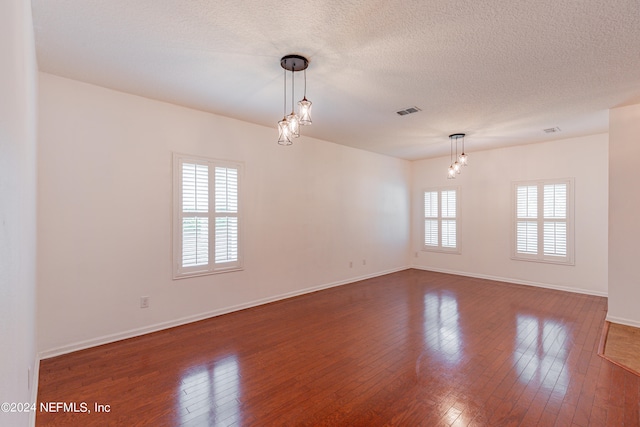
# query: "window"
441,220
543,221
206,221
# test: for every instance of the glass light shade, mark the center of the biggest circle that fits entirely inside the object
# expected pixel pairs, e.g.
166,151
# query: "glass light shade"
284,132
294,125
457,167
451,173
463,159
304,111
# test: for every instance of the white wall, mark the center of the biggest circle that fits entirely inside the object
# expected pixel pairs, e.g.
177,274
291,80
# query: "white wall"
17,207
624,210
104,214
485,203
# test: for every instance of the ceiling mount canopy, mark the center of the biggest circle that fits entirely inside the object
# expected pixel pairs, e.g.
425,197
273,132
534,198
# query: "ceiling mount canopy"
294,62
289,126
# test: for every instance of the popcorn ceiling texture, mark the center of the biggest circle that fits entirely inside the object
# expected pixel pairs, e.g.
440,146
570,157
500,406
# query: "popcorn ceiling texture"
501,71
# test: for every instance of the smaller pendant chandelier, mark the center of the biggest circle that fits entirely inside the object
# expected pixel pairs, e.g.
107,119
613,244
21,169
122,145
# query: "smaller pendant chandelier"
289,126
304,106
462,160
284,132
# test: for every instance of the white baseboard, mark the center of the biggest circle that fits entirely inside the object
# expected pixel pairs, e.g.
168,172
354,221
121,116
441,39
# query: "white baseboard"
622,321
106,339
35,376
516,281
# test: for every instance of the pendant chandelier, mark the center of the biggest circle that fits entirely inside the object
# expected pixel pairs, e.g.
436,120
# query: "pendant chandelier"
456,165
289,126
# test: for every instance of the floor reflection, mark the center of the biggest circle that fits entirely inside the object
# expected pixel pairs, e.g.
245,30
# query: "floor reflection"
541,349
211,394
441,327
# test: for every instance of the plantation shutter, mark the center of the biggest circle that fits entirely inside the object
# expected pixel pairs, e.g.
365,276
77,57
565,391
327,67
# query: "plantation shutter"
527,219
543,221
440,220
226,215
555,219
206,216
431,218
449,219
195,211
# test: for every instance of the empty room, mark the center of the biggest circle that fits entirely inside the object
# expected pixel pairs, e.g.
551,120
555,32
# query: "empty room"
332,213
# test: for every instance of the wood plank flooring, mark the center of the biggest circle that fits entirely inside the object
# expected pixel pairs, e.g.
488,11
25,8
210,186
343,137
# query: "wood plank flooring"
412,348
623,346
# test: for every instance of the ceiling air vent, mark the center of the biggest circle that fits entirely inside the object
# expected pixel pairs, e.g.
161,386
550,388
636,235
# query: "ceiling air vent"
551,130
408,111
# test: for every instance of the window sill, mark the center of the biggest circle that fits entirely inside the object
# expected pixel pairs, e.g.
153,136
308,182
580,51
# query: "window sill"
568,262
205,273
442,251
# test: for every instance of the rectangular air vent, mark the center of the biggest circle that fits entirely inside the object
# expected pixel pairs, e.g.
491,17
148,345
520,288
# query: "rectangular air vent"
551,130
408,111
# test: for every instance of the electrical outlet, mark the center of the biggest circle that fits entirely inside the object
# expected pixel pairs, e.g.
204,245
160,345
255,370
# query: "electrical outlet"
144,302
350,264
364,262
416,255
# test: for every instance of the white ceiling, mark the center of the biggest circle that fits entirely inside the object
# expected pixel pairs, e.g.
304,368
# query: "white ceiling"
500,71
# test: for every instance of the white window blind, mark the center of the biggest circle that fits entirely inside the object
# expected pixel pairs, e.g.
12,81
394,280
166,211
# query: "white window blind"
555,220
195,221
544,221
448,225
441,220
527,214
431,218
226,215
206,192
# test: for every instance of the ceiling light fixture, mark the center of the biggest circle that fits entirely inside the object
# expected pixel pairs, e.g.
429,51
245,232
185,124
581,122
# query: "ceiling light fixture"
289,126
462,160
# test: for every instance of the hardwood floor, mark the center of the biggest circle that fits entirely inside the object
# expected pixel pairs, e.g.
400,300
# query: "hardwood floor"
406,349
623,346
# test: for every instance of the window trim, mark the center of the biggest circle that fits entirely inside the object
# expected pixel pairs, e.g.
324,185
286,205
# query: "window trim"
179,272
569,259
440,248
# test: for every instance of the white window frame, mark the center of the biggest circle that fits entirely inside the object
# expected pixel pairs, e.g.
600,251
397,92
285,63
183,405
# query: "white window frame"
180,272
439,247
539,256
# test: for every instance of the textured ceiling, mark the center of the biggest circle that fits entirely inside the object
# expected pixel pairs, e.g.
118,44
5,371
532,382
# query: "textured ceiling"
501,71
